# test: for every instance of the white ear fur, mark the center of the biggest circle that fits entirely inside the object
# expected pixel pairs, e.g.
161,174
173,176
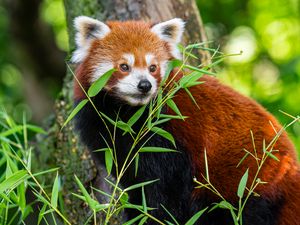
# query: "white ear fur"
87,29
170,31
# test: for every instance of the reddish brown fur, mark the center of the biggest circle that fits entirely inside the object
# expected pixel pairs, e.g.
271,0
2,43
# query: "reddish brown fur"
222,126
139,41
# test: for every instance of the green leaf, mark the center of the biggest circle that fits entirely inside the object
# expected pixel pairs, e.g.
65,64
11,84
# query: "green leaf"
195,217
35,129
55,190
11,131
171,65
164,134
135,186
133,206
124,198
13,180
136,116
174,107
269,154
222,205
96,87
191,79
144,202
143,220
91,202
242,160
75,111
22,198
161,121
197,45
172,116
108,118
101,150
96,206
156,149
191,97
124,126
41,213
170,214
45,171
108,160
132,221
198,69
242,184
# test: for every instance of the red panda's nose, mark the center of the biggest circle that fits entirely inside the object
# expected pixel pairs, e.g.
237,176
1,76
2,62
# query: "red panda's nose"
144,86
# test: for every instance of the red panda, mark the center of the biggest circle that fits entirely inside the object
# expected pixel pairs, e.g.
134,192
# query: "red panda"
222,125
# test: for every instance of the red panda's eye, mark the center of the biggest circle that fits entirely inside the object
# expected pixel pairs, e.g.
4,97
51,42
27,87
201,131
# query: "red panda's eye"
124,67
152,68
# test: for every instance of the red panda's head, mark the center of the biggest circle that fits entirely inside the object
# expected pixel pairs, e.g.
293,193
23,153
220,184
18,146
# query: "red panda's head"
138,51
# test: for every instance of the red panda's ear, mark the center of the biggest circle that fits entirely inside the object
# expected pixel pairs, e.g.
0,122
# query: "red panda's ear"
171,32
87,29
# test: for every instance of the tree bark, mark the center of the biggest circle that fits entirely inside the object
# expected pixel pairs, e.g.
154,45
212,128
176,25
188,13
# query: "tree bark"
62,148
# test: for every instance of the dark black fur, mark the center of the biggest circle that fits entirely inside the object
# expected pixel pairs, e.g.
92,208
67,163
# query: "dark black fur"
174,170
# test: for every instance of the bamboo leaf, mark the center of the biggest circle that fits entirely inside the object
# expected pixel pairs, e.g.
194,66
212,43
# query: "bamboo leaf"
13,180
191,79
75,111
156,149
55,190
195,217
164,134
170,214
108,160
271,155
242,184
136,164
91,202
136,116
96,87
132,221
124,198
191,97
144,202
41,213
143,220
171,65
125,127
198,70
135,186
174,107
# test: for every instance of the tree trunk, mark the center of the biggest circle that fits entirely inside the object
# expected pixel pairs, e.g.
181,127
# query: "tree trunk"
61,148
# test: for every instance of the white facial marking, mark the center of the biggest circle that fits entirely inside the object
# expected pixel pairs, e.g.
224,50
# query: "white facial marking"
127,87
102,68
149,59
163,68
130,59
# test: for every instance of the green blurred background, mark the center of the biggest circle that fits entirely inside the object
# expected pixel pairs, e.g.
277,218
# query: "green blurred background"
266,31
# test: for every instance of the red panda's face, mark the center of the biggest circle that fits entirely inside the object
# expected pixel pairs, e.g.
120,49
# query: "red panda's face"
137,51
